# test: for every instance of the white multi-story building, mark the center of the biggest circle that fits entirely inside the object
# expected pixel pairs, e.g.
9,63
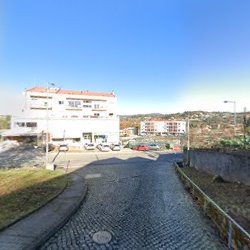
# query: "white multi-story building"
163,127
68,116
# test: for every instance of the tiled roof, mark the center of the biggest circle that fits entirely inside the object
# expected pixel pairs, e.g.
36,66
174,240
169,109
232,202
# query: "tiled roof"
70,92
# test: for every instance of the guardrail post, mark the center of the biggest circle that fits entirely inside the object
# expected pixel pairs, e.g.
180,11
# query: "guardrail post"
205,205
229,235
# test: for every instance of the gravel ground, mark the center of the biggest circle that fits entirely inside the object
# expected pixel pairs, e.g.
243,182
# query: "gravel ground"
22,156
141,203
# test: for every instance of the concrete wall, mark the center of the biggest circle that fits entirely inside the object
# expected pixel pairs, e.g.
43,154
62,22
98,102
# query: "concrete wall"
231,166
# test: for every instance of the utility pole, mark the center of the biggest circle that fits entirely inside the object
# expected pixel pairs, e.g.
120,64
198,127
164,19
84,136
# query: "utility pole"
188,142
47,128
234,118
234,102
188,135
47,165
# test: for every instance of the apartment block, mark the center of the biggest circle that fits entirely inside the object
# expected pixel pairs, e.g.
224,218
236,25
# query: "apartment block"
67,116
163,127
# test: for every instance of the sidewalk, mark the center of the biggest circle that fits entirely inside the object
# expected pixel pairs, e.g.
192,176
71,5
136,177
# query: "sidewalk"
34,230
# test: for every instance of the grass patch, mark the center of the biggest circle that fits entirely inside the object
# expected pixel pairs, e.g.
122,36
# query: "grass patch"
23,191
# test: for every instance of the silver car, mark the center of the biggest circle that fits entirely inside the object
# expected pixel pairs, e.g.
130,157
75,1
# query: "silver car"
63,148
105,148
89,146
115,147
153,147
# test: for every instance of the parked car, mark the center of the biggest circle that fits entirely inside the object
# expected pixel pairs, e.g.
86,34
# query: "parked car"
142,147
115,147
63,148
105,148
153,147
89,146
51,147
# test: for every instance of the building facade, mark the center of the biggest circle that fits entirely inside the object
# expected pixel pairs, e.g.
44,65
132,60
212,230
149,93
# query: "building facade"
67,116
131,131
163,127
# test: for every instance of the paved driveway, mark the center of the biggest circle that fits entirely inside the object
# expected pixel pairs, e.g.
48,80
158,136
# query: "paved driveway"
138,199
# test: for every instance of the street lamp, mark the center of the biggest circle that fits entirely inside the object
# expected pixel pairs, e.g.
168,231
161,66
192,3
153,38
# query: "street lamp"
47,165
234,102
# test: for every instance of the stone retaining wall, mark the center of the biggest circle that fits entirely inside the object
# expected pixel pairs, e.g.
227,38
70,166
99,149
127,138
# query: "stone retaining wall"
231,166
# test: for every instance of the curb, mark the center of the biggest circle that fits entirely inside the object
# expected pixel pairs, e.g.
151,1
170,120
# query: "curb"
34,230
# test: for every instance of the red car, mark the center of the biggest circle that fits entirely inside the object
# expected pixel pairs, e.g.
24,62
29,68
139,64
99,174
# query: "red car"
141,147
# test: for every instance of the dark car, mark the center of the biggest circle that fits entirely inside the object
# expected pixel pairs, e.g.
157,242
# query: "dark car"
51,147
142,147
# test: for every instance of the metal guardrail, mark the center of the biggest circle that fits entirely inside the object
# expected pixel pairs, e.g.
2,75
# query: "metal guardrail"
231,221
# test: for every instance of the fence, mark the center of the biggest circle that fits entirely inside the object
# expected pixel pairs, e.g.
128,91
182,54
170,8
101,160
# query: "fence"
231,232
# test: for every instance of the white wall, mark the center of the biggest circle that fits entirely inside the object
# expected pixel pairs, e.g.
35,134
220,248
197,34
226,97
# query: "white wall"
59,110
72,128
162,127
61,123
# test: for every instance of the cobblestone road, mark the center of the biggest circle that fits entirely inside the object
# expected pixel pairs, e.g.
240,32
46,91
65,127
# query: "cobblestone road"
141,202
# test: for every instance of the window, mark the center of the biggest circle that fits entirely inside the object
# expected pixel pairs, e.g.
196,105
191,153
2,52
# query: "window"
97,106
61,102
20,124
74,116
111,114
86,106
87,101
57,139
96,114
74,104
31,124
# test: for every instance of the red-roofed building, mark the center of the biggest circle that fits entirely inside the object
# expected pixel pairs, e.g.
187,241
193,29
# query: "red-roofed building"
74,116
163,127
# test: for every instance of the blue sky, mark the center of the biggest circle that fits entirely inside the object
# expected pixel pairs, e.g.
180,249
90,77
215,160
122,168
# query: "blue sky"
158,55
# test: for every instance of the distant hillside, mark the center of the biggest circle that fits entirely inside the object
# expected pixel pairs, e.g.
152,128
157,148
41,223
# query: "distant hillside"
204,126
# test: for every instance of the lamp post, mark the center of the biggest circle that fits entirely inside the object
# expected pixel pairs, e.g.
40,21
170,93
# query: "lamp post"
47,127
47,165
234,102
244,126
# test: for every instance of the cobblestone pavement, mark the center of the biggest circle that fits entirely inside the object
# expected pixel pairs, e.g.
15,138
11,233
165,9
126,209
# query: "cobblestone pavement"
141,203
